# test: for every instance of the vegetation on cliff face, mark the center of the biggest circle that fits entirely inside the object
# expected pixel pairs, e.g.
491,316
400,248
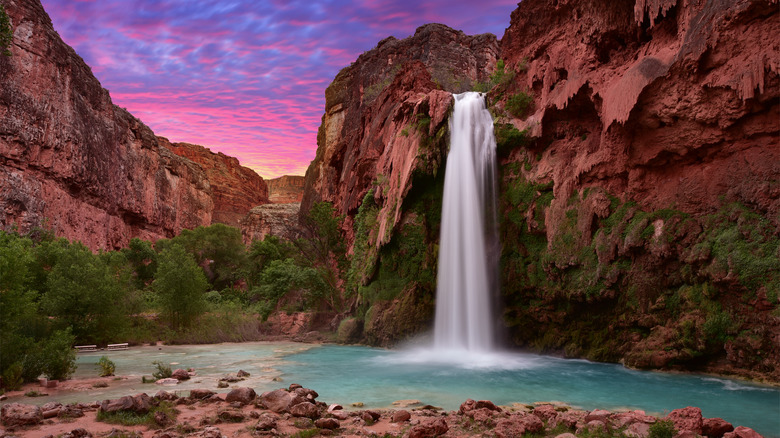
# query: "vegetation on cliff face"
651,288
6,32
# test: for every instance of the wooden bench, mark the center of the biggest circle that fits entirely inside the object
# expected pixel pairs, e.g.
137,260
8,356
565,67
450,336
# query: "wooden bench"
123,346
81,348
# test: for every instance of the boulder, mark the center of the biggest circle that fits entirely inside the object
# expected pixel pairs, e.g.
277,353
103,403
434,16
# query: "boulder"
165,395
401,416
340,415
742,432
598,415
70,411
429,429
242,374
335,407
167,381
18,414
77,433
231,416
715,427
241,395
327,423
687,419
277,401
305,409
180,374
266,422
638,430
545,412
517,425
231,378
200,394
140,403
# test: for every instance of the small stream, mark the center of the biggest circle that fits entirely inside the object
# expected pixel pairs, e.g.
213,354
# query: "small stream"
377,377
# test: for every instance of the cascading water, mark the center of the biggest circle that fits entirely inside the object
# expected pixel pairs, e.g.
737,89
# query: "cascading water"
468,265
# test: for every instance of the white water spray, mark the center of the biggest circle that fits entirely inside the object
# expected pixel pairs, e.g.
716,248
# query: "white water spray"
466,280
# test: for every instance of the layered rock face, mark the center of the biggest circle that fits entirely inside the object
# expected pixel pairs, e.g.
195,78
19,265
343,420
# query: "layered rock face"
287,189
235,189
665,102
641,204
72,161
270,220
372,110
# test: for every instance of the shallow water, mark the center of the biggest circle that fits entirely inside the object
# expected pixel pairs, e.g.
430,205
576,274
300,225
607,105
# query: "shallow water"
376,377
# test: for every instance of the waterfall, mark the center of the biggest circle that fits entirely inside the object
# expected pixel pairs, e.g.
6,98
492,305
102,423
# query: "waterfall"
468,249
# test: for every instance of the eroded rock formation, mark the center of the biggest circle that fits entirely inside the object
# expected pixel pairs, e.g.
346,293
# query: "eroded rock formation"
235,189
287,189
270,220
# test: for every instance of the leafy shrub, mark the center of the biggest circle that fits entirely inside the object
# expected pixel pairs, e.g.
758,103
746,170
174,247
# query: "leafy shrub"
662,429
107,367
6,33
518,104
163,370
12,377
130,418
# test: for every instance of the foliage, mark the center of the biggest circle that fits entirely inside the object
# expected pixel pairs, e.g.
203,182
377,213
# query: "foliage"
130,418
6,32
662,429
519,103
163,370
219,249
12,376
509,138
107,366
143,260
180,285
500,76
364,251
57,356
85,293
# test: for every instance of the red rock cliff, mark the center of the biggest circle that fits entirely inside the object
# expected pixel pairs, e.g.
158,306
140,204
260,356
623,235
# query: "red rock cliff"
287,189
73,161
369,133
236,189
666,102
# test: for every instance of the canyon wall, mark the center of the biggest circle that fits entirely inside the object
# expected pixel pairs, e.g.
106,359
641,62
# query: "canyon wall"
287,189
73,162
235,189
383,139
639,156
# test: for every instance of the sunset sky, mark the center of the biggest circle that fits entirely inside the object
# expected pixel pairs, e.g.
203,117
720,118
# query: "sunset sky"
244,77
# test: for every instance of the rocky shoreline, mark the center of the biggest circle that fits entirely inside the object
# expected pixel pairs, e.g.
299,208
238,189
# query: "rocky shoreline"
296,412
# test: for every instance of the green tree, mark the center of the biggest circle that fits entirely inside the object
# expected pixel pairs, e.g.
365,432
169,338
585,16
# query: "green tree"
322,247
143,260
262,252
6,32
218,249
180,285
85,294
